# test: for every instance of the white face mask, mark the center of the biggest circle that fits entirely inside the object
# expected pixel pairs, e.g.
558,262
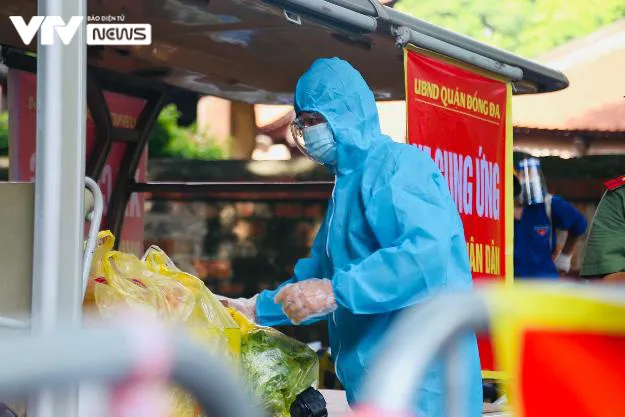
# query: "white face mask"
320,144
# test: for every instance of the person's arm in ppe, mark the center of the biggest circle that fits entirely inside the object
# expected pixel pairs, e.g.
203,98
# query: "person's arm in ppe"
410,211
567,217
245,306
307,300
262,308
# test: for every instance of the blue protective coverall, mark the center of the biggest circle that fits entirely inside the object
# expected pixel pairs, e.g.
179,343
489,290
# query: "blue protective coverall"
535,237
391,237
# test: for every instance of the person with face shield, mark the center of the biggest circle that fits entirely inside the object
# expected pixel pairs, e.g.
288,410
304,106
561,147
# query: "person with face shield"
538,216
391,239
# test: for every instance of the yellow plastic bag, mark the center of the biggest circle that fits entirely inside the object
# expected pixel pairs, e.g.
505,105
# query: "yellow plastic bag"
277,367
118,279
129,281
104,244
155,283
209,322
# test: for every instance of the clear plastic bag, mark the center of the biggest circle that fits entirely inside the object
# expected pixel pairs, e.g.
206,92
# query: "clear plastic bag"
277,367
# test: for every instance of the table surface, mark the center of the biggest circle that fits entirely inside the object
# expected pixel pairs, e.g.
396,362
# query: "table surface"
337,405
336,402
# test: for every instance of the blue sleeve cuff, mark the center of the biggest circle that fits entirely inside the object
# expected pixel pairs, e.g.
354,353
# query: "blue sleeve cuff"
268,313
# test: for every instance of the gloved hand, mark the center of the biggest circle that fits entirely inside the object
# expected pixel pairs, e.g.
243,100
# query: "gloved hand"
245,306
307,299
563,262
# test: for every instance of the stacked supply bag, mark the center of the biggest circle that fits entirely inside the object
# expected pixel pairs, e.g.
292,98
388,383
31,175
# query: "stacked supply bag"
121,280
275,367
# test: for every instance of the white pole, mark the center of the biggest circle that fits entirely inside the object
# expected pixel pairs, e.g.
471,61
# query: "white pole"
59,191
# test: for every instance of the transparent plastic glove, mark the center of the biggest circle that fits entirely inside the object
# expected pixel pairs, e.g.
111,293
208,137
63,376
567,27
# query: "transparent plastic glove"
307,299
563,262
246,306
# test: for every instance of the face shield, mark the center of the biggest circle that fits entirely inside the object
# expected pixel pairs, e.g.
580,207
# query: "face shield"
313,136
533,185
517,185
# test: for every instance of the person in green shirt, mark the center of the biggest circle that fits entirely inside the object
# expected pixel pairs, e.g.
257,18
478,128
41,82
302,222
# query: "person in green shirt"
605,247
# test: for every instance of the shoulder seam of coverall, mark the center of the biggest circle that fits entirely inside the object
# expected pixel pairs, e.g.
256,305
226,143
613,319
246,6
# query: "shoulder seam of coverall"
395,156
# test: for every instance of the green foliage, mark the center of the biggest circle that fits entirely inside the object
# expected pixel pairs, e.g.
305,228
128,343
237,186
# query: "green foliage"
168,139
4,134
525,27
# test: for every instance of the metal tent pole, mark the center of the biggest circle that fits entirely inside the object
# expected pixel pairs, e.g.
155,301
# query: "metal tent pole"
59,191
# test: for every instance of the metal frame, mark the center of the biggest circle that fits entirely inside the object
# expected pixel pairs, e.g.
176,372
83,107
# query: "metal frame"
109,355
130,161
237,191
408,350
330,11
390,20
545,79
94,215
156,96
108,80
405,36
135,139
98,80
15,324
103,133
436,326
59,193
95,219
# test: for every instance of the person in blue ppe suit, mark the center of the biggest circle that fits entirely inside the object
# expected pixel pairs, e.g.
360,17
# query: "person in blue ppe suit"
391,237
538,217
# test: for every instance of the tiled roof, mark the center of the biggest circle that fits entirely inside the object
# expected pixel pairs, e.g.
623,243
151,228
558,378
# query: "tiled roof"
569,133
595,66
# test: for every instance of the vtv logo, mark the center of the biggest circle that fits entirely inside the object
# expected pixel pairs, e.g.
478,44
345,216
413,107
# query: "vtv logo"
48,25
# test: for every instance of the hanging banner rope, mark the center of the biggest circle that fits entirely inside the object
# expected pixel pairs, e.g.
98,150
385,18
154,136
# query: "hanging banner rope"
460,116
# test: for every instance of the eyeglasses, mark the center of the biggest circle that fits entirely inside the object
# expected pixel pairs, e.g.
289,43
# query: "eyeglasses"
308,120
300,123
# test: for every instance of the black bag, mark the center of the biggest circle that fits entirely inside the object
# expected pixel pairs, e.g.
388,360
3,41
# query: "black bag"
309,403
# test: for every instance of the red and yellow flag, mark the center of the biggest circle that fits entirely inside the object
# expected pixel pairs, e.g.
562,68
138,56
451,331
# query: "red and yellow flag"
563,348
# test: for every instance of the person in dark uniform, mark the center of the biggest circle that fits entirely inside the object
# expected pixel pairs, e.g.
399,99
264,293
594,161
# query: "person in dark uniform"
537,217
605,246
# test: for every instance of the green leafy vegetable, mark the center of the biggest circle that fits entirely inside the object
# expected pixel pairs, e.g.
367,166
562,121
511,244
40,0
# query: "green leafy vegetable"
278,368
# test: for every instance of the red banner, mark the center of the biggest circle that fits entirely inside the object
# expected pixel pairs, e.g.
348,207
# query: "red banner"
459,117
22,139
